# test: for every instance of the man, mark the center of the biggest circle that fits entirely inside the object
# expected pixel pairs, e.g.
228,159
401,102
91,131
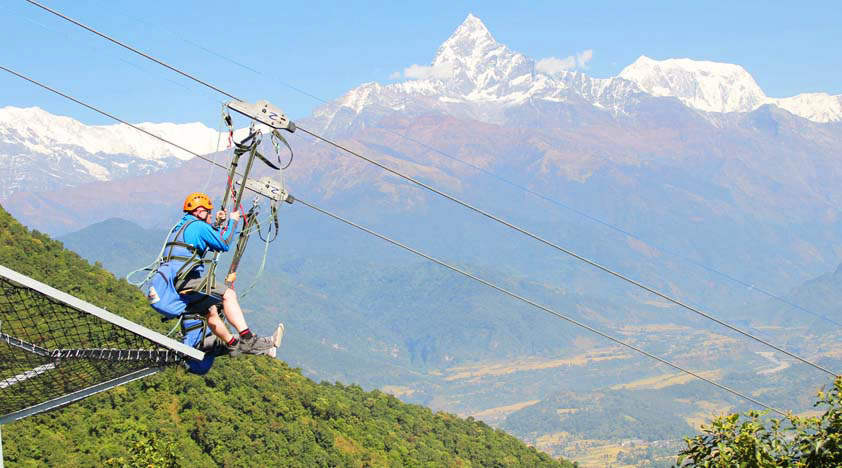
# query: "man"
183,268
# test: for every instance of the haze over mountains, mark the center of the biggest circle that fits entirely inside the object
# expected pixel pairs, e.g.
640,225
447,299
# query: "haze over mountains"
690,157
680,173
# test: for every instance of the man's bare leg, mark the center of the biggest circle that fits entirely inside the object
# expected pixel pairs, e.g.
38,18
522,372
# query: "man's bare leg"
250,343
232,309
217,326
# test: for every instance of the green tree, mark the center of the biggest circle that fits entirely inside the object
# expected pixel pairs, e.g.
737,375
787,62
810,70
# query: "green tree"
753,441
248,411
147,451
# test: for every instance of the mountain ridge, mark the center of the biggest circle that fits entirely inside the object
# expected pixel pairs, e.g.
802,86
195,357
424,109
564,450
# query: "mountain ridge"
471,67
472,76
40,152
39,131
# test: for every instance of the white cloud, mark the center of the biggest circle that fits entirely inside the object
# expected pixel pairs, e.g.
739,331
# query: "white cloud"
421,72
555,65
583,57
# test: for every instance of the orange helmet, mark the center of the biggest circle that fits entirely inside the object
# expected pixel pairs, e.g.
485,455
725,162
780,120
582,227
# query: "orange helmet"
197,199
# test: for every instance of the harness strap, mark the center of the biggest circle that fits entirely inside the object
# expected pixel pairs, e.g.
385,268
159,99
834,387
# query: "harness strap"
241,246
176,243
268,163
201,322
243,148
276,136
189,328
178,257
185,269
181,244
191,262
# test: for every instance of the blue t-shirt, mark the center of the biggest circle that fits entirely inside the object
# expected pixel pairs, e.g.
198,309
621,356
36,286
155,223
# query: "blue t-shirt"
204,237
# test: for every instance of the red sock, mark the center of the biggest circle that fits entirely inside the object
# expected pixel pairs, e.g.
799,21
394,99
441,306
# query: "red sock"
232,341
246,333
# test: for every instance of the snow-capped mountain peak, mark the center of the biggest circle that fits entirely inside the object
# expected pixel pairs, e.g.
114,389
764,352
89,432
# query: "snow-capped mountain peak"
476,67
818,107
38,130
471,75
707,86
40,151
469,43
722,87
474,76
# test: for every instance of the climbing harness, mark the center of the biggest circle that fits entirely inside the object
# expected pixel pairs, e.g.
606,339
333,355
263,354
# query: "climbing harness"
178,260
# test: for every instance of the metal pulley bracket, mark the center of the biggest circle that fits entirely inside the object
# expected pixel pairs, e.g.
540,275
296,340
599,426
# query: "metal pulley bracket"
269,188
265,113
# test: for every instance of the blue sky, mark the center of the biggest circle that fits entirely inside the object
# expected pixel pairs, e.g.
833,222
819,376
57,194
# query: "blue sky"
256,50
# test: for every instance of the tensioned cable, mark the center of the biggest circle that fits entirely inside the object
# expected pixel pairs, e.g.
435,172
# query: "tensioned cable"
218,143
534,193
98,49
569,252
122,44
464,204
110,116
432,259
613,227
224,57
527,190
532,303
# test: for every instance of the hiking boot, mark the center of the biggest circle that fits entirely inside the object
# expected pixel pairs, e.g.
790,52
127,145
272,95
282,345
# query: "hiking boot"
254,345
276,340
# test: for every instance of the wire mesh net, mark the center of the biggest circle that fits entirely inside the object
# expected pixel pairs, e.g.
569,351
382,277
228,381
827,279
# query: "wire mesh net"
49,349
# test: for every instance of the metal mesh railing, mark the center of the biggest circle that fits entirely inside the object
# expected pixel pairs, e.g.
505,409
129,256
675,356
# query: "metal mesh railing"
50,349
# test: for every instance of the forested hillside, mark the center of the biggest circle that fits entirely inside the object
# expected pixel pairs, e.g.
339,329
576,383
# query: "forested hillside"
250,411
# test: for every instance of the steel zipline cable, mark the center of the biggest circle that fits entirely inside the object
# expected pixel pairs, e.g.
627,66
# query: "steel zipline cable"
427,257
458,201
126,46
613,227
113,117
570,253
523,188
110,116
533,303
464,204
506,181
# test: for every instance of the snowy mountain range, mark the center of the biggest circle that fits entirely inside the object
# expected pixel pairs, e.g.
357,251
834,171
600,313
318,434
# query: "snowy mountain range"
474,76
40,151
722,87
